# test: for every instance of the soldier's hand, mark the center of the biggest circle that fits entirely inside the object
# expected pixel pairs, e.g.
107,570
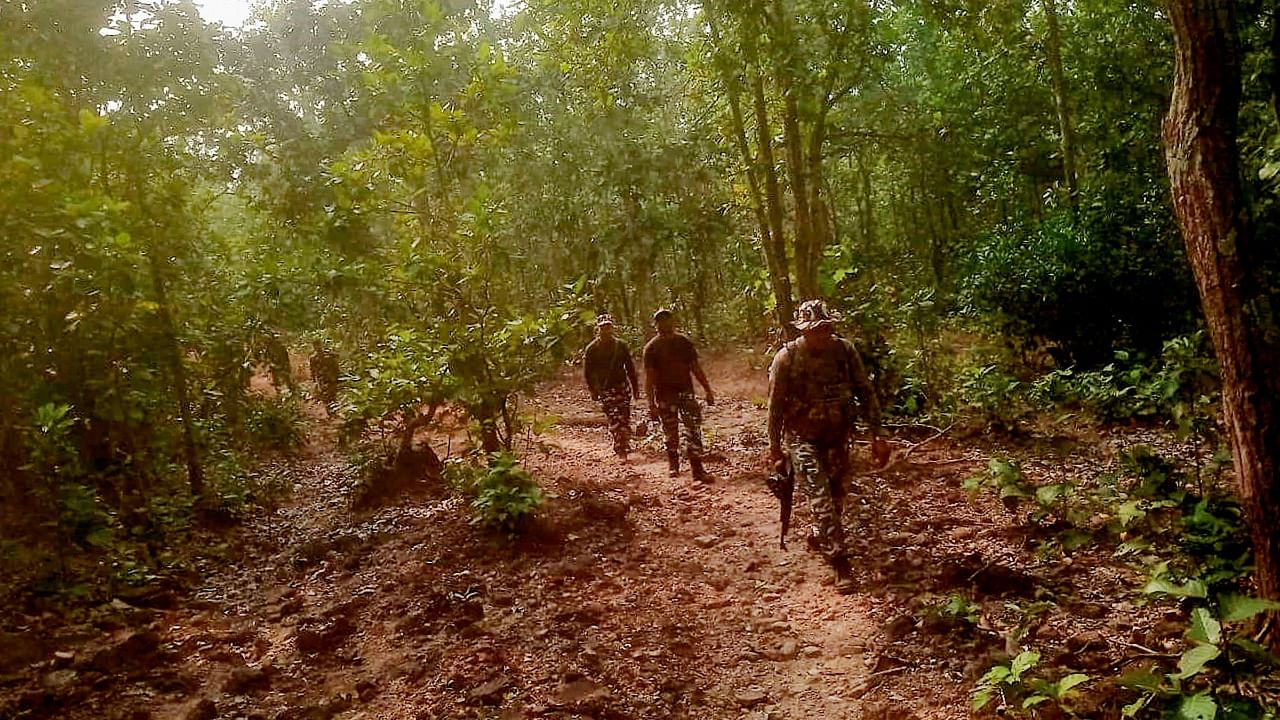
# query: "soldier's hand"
711,398
653,410
775,454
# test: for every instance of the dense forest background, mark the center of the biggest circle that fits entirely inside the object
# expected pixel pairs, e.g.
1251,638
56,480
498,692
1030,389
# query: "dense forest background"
431,199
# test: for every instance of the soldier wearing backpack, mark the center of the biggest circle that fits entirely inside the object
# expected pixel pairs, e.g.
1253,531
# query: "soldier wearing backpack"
818,388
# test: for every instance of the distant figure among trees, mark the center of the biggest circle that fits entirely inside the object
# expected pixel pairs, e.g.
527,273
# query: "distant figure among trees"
325,372
670,364
611,378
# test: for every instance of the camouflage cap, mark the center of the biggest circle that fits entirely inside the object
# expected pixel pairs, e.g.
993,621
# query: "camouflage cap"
604,319
812,314
661,313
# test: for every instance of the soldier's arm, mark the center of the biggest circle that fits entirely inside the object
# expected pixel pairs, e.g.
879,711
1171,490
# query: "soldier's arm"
865,391
648,379
631,370
777,397
587,373
700,375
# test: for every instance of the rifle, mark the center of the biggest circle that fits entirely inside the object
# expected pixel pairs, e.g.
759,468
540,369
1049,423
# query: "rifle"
782,483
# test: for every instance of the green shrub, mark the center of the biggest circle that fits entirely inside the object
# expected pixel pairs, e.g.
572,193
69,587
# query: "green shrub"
1081,289
274,424
992,395
504,496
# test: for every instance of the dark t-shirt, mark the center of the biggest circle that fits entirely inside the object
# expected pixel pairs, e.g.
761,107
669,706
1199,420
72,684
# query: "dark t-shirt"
670,361
608,365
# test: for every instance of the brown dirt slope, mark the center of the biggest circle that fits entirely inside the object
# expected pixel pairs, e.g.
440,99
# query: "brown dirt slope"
634,596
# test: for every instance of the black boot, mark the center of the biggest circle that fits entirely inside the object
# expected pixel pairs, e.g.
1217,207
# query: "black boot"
845,584
699,472
673,464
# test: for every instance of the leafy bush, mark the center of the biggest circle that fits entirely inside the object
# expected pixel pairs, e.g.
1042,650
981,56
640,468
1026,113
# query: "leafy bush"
1114,279
504,495
1020,690
993,396
274,423
1180,388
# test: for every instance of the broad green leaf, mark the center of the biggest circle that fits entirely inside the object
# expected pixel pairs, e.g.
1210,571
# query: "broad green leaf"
995,675
1194,660
1205,628
1034,700
1026,660
1191,588
1234,608
1197,707
1071,681
1047,495
1130,511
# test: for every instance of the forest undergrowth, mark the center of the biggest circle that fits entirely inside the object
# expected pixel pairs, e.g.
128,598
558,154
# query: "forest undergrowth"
1087,572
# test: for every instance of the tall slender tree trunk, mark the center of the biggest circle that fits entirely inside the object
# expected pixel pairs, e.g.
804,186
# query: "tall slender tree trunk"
806,268
1062,98
1200,148
178,375
868,201
772,247
769,167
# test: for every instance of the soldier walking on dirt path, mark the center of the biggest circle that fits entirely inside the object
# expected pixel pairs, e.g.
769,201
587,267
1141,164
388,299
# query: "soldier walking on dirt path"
670,364
611,377
817,389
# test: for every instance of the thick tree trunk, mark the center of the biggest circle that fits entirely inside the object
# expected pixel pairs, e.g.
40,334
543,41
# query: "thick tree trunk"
1062,97
1200,148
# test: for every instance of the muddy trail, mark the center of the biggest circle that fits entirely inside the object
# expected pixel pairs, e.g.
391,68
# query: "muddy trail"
635,595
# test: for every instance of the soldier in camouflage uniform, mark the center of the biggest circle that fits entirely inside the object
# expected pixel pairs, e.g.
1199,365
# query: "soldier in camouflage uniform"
611,377
670,364
817,386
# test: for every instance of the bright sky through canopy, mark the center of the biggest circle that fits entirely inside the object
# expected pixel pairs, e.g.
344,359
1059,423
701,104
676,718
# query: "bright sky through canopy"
232,13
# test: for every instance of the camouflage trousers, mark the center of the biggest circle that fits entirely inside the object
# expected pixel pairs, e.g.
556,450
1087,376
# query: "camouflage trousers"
616,402
682,409
820,472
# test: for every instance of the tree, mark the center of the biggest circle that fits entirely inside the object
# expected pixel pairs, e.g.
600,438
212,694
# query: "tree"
1200,133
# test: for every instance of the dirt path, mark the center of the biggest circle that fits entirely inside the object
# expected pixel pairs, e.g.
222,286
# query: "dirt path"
635,596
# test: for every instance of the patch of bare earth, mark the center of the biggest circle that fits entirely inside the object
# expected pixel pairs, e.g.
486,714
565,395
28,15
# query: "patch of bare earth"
635,595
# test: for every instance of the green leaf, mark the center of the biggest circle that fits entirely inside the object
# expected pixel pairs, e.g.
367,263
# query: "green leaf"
1192,588
1130,511
982,697
1047,495
1234,607
1194,660
1197,707
1204,627
995,675
1139,680
1034,700
1026,660
1067,683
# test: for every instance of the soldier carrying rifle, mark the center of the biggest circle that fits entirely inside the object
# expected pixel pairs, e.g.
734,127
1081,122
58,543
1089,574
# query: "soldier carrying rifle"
817,389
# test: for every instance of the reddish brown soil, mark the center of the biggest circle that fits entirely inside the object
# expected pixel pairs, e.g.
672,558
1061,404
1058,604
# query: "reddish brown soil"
635,595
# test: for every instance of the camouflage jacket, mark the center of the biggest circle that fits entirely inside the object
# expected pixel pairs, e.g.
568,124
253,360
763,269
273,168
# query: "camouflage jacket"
818,395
